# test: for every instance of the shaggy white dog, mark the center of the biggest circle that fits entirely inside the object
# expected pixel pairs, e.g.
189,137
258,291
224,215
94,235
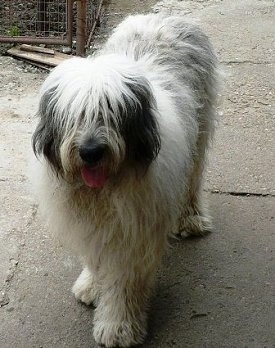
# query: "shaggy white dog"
122,137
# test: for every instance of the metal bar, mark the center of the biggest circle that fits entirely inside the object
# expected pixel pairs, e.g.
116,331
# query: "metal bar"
69,34
81,26
31,39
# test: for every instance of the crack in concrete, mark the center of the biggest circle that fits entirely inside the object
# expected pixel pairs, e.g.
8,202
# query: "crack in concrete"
228,62
241,193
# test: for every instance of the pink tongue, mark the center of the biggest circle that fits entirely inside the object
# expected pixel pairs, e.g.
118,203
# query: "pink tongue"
94,177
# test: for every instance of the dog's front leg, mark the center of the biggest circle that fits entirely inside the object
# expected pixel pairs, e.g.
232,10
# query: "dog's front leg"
86,288
120,317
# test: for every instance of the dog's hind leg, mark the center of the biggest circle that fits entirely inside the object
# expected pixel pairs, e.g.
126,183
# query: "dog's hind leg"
194,219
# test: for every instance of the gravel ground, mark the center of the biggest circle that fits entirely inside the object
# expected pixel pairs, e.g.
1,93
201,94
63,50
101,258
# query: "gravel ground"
18,77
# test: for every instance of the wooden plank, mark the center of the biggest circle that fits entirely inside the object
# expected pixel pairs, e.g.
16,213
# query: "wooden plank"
39,57
30,48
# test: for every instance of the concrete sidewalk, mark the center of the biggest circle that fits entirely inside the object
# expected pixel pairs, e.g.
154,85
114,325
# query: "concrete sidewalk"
214,292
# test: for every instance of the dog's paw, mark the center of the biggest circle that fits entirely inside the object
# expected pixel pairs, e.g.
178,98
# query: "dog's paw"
85,288
195,225
118,334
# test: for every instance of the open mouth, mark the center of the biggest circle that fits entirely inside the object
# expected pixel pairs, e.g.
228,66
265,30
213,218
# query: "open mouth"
94,176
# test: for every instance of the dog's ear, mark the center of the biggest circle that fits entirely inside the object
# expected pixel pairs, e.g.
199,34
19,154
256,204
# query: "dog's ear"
46,140
139,126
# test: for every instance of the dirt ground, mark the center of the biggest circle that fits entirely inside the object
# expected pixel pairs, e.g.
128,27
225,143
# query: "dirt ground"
213,292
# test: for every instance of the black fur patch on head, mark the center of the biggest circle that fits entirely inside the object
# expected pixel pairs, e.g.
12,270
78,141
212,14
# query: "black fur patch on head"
139,126
46,139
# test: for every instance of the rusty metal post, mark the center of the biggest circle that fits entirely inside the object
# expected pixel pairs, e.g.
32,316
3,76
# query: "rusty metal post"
69,33
81,27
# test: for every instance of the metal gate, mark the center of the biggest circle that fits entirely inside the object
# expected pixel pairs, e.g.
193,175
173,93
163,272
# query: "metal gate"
51,22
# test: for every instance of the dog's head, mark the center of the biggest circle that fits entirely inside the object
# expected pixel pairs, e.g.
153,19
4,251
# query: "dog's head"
96,117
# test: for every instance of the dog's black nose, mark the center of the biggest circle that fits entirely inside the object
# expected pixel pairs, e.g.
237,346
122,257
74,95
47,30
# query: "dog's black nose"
92,153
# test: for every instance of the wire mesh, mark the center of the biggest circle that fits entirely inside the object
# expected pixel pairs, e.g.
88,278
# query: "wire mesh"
36,18
51,22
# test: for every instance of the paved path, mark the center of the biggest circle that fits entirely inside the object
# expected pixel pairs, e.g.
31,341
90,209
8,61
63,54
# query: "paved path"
214,292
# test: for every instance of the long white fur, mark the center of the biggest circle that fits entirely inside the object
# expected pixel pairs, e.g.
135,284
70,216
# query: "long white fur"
122,231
